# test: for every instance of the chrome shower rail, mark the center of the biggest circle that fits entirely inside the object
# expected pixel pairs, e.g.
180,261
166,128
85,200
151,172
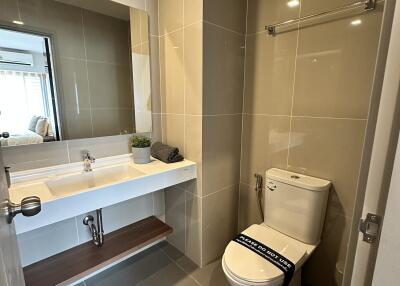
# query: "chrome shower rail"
368,6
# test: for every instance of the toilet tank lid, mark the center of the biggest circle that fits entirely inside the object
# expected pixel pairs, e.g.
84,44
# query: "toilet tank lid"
298,180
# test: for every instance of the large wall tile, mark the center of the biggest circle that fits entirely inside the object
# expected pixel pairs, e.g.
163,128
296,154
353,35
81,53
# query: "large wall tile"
226,13
110,85
193,150
193,68
170,15
99,147
218,232
193,11
74,84
175,216
265,141
172,77
222,71
66,27
329,149
21,158
156,132
193,228
248,207
127,212
334,74
309,7
106,38
320,269
261,13
76,123
221,152
270,63
109,121
159,203
47,241
173,128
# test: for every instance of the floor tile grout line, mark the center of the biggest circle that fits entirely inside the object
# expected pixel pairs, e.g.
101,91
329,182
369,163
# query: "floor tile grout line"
179,266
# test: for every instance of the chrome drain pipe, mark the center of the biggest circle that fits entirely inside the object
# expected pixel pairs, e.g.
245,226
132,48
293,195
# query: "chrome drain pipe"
96,231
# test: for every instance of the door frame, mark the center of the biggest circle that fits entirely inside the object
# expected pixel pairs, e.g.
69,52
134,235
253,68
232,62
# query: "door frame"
379,148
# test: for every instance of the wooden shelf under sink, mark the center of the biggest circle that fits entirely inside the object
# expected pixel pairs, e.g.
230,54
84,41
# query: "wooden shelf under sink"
83,260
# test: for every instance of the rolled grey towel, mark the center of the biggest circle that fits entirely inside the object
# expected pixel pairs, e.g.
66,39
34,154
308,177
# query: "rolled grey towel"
165,153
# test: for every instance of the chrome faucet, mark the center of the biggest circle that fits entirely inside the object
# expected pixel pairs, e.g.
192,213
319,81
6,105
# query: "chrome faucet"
87,161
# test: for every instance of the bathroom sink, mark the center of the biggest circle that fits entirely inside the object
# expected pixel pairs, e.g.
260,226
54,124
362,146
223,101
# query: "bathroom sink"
96,178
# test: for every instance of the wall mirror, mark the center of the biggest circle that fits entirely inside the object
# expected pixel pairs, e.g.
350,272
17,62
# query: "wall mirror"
72,69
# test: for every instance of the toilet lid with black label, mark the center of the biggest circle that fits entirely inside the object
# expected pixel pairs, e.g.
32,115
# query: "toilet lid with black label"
249,266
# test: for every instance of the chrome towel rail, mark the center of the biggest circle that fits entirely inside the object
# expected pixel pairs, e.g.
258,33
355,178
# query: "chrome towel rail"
367,4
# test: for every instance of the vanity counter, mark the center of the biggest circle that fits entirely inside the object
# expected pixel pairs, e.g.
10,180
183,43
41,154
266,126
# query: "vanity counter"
66,191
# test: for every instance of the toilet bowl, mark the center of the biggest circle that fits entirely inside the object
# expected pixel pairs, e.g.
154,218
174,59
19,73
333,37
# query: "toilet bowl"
295,207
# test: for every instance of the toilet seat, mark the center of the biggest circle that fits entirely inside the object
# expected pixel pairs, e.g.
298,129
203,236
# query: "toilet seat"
248,268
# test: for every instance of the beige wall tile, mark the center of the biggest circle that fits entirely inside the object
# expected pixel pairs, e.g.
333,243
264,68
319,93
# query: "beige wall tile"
329,149
156,133
265,141
193,150
110,86
74,85
317,6
174,131
193,138
106,38
21,158
223,71
320,269
193,11
170,15
262,13
221,152
61,20
269,73
226,13
76,124
99,147
218,232
172,77
193,228
193,68
175,216
108,122
248,208
334,74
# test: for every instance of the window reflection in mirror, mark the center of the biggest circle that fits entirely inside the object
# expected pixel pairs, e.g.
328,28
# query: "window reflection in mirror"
73,69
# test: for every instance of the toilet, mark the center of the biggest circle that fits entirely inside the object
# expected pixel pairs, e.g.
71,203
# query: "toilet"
294,213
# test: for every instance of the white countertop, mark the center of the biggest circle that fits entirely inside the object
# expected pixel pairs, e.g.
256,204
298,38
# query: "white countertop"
153,176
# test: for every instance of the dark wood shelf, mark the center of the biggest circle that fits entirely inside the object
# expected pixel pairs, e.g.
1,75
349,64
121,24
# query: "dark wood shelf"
85,259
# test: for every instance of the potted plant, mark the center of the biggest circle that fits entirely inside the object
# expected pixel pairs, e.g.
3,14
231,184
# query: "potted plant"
141,149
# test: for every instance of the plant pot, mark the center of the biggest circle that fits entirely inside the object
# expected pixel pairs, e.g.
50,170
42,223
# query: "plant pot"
141,155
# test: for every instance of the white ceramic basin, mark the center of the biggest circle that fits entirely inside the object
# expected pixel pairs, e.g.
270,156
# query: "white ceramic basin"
96,178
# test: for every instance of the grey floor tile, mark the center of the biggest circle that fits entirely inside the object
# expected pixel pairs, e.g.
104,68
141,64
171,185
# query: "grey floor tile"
210,275
160,265
133,270
170,250
168,276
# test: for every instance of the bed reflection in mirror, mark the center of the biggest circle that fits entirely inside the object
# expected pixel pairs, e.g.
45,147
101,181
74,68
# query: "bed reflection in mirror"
72,69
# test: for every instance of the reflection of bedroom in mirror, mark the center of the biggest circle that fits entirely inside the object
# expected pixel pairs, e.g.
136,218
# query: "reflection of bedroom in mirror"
74,69
27,101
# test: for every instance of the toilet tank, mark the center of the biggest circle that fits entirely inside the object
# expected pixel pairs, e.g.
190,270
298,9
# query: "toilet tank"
295,204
